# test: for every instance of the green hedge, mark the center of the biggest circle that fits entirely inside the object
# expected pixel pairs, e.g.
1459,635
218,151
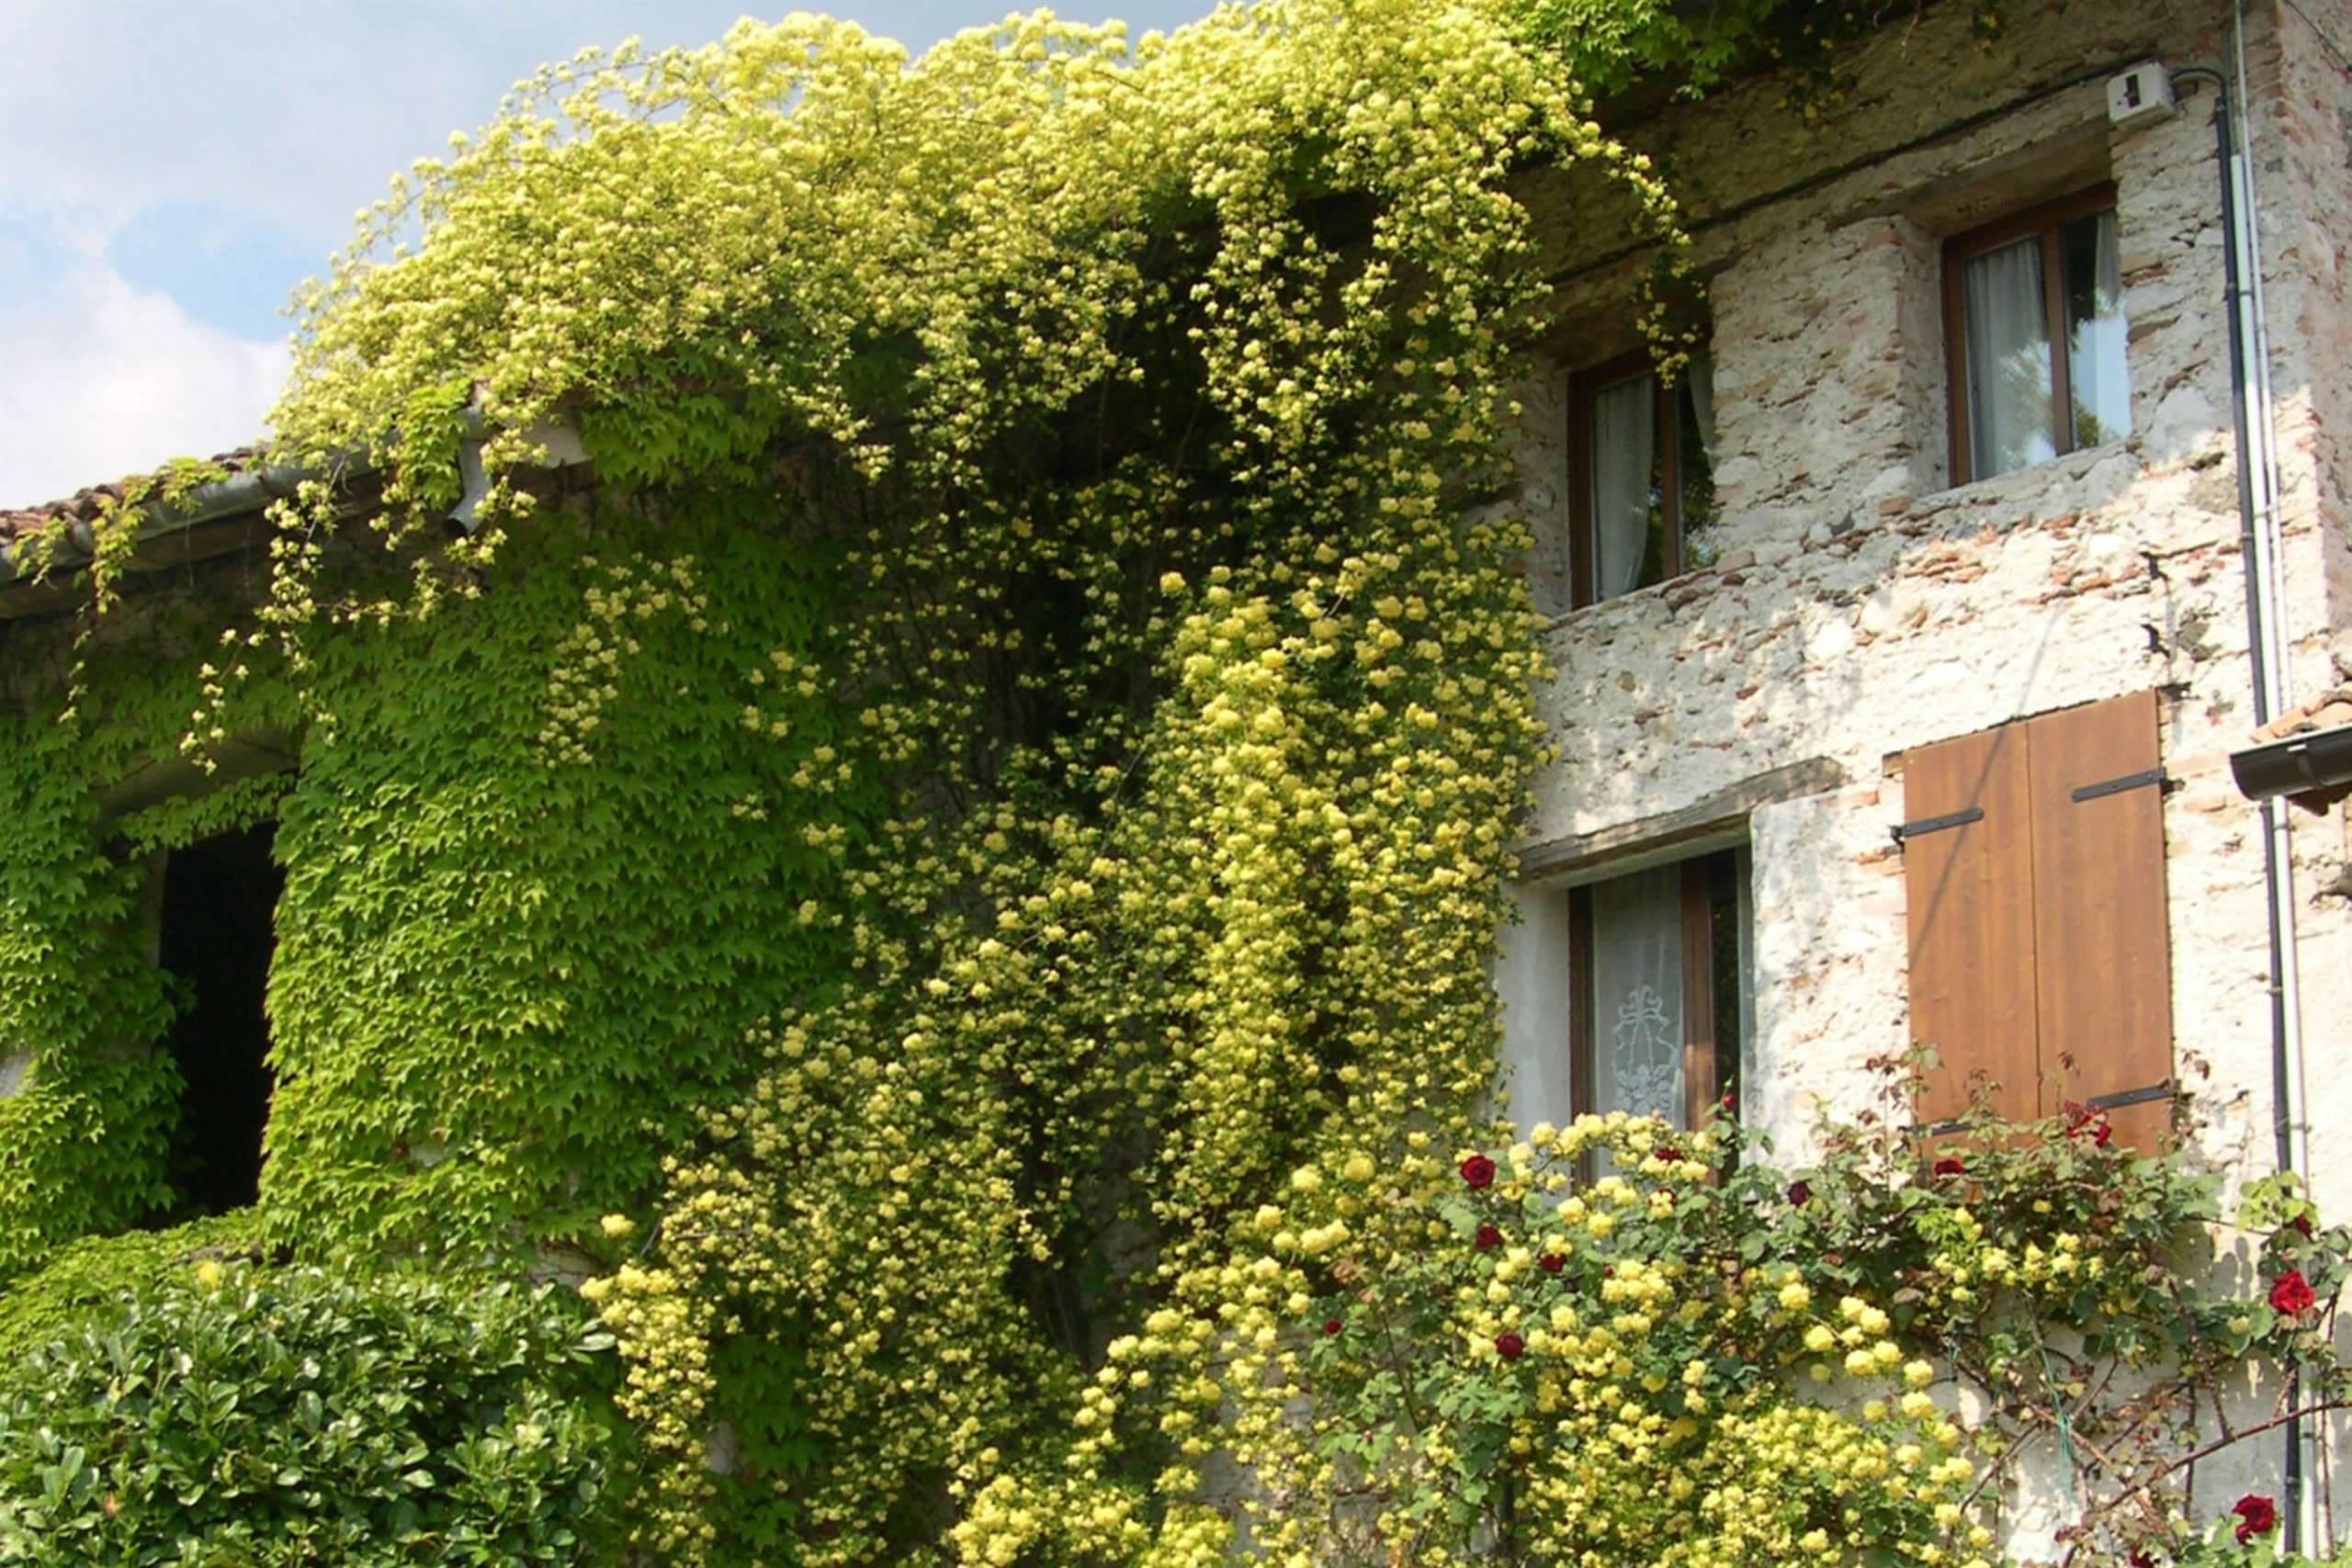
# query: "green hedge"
236,1416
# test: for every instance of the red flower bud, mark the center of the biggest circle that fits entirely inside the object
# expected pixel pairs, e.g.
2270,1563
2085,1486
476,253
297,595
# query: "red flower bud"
1478,1172
2302,1224
1551,1263
1489,1238
2256,1516
1331,1326
1950,1164
1800,1194
1509,1346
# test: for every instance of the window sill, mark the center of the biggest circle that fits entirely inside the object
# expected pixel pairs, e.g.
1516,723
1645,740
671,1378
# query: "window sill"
2069,467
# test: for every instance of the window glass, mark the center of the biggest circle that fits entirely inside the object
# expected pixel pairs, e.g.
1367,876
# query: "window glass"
2009,388
2025,290
1664,985
1694,450
2095,371
1650,489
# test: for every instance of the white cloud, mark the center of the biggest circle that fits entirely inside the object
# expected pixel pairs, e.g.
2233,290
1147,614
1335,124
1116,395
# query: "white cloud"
103,380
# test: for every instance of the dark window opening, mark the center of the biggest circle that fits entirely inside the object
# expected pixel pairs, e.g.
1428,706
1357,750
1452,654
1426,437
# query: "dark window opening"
219,899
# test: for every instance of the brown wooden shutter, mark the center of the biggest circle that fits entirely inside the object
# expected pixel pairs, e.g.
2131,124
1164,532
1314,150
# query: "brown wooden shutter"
1968,877
2101,946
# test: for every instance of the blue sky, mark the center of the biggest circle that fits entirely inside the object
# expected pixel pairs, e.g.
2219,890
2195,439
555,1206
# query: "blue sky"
171,169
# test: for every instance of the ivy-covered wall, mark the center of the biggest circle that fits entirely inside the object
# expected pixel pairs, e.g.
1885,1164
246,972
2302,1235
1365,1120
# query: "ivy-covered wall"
534,897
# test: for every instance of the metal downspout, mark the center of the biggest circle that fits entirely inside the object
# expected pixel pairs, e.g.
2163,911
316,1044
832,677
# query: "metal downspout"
2268,652
2305,1443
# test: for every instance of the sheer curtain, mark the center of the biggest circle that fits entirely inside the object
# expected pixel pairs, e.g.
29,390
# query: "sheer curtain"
1637,994
2009,361
1623,434
2095,369
1698,382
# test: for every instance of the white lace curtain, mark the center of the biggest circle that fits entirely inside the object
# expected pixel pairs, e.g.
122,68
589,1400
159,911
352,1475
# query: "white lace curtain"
1637,994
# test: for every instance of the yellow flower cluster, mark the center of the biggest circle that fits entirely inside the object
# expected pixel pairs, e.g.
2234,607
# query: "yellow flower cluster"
1370,1346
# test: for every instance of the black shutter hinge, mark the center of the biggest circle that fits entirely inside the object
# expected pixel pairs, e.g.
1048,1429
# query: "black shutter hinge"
2153,777
2154,1091
1909,830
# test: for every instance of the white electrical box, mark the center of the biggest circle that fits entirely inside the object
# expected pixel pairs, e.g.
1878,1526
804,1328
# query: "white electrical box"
2139,92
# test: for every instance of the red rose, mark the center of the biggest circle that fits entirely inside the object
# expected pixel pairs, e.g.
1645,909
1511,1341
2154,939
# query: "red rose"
2256,1516
1478,1172
1331,1326
2302,1224
1800,1194
1489,1238
1551,1263
1509,1346
1668,1153
2290,1294
2140,1558
2082,1121
1950,1164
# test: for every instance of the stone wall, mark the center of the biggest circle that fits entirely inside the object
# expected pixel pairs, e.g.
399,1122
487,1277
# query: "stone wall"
1863,607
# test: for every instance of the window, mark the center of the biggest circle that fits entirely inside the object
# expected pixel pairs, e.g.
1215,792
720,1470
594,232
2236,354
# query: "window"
1661,995
2034,871
219,897
2048,276
1641,482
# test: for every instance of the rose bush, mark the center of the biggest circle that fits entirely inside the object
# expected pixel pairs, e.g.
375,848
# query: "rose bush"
1611,1342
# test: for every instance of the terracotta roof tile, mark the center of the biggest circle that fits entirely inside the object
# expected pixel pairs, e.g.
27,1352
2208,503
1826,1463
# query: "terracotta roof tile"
2326,711
16,521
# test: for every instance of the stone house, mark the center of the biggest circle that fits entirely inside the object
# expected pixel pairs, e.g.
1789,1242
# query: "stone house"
1921,650
1907,647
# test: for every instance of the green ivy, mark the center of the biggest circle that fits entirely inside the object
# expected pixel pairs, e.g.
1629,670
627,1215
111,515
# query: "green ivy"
88,1134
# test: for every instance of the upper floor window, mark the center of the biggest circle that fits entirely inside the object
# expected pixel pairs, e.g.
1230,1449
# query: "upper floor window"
2015,294
1642,482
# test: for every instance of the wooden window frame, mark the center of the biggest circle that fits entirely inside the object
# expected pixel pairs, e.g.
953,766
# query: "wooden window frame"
2044,222
1666,428
1706,1064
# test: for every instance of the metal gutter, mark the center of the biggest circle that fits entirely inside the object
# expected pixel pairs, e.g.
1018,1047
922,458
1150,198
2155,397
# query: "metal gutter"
2314,761
242,497
240,494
